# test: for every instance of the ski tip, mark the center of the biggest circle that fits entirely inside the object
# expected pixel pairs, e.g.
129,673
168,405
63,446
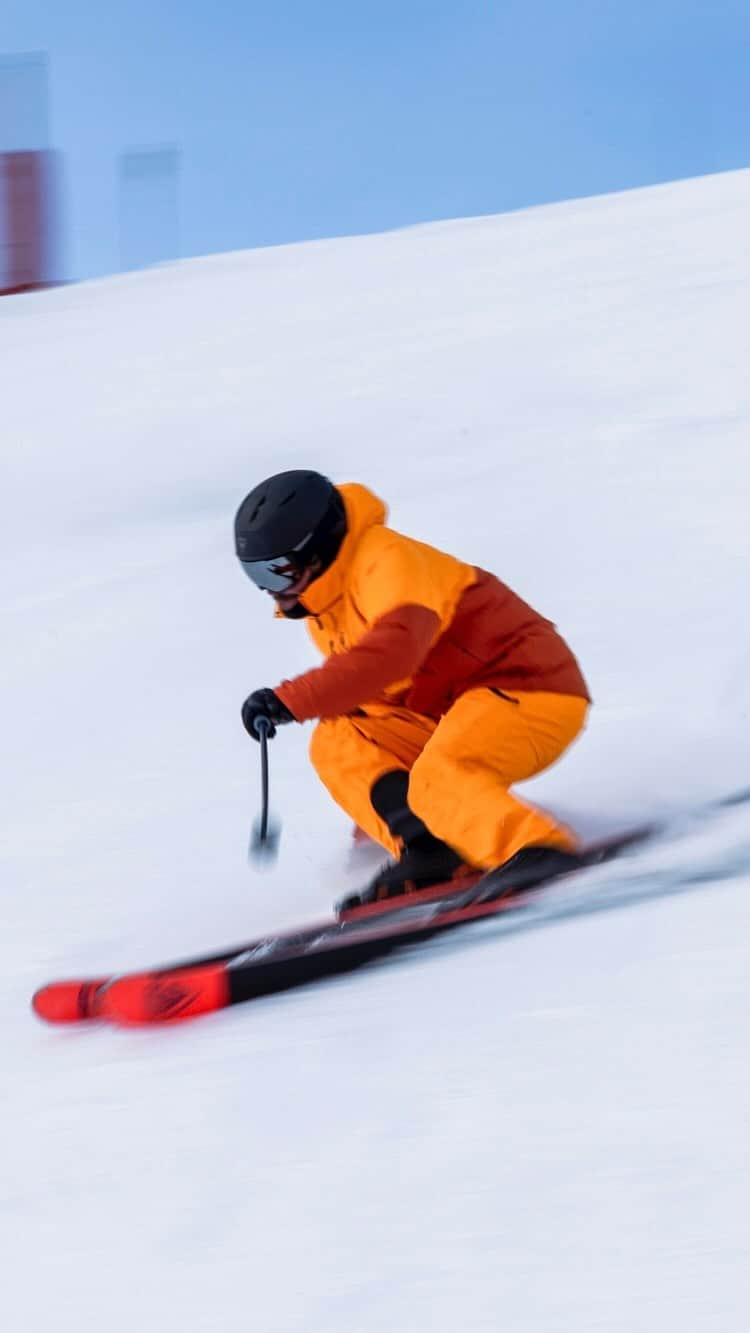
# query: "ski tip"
68,1001
165,997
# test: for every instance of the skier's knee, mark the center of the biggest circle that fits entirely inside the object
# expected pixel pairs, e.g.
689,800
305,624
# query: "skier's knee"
432,792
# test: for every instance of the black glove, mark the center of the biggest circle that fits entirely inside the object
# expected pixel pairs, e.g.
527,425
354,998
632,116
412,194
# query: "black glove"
264,703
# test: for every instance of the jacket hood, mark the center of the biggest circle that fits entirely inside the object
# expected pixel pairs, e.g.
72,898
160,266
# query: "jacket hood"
364,510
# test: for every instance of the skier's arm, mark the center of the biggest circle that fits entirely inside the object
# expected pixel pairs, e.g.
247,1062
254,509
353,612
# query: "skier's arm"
390,652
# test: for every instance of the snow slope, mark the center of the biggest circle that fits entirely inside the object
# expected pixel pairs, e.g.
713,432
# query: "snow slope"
535,1131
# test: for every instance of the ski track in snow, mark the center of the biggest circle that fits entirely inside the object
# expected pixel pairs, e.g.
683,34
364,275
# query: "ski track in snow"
539,1123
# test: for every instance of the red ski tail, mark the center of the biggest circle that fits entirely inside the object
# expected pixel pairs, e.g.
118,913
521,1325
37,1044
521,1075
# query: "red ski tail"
69,1001
152,997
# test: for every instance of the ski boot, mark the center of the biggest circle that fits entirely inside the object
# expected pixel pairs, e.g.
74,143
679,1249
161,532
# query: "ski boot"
425,860
531,865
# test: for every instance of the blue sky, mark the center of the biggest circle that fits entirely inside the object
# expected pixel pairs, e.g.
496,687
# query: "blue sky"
298,119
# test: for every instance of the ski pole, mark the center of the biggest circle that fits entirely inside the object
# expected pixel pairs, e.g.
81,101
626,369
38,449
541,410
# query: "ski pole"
264,842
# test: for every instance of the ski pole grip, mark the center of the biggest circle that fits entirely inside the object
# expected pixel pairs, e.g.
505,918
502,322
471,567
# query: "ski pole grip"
262,726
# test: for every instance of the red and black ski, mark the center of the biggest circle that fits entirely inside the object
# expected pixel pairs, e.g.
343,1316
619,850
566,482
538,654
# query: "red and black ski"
279,962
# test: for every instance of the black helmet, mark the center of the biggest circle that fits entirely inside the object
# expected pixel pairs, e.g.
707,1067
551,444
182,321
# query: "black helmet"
285,524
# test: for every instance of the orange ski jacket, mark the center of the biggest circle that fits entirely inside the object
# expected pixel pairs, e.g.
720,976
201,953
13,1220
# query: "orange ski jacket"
404,624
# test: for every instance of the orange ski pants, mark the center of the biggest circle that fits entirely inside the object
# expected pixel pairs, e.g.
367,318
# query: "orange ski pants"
461,768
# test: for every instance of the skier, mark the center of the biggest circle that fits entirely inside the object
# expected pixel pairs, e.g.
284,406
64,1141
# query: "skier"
440,690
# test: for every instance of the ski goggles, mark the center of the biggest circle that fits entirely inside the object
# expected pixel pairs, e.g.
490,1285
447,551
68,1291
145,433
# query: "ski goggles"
281,572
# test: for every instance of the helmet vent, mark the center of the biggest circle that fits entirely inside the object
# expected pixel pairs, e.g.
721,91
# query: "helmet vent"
287,498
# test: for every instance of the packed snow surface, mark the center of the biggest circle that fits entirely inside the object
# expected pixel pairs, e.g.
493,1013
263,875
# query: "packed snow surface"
535,1129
